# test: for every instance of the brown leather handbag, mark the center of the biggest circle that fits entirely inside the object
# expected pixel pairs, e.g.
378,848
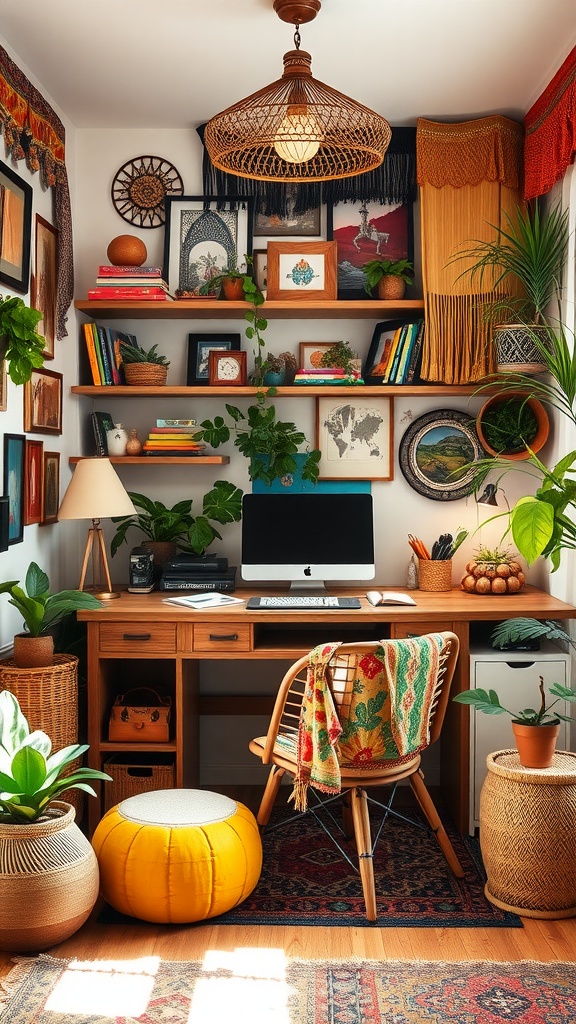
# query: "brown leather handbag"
140,716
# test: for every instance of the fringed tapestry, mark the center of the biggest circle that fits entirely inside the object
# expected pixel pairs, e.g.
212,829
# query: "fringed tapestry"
470,175
550,125
33,132
393,182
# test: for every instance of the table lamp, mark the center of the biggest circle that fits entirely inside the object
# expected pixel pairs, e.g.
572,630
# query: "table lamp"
95,492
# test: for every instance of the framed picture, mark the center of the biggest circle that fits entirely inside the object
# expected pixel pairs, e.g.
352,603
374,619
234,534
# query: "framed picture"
3,386
376,366
50,488
14,447
260,268
437,453
4,521
365,231
33,469
354,436
15,229
301,270
305,223
199,348
227,368
43,402
44,282
310,353
200,238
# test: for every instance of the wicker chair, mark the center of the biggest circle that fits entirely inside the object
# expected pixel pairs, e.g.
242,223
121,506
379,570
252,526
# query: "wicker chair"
278,749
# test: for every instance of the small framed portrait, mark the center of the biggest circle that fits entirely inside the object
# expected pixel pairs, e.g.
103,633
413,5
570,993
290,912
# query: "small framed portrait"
260,267
199,348
44,282
15,229
301,270
43,402
203,234
228,368
437,454
50,488
34,467
366,231
310,353
14,450
355,438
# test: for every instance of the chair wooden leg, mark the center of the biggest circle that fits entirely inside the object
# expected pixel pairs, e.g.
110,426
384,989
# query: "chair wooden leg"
363,837
270,793
427,805
347,820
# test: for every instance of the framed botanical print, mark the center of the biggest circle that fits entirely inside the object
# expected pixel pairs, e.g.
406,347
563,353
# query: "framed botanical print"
14,449
33,469
199,348
15,229
50,488
355,438
44,282
365,231
301,270
203,234
43,402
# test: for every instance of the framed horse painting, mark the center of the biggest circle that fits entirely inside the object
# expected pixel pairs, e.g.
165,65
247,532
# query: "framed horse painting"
365,231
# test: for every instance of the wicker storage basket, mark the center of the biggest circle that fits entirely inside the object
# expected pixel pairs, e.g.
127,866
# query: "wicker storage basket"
133,775
143,374
435,574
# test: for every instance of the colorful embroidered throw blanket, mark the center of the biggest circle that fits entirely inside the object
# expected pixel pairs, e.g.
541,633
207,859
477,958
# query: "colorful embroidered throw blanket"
389,717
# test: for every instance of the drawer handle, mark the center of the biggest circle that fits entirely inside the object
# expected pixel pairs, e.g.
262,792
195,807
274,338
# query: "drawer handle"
137,636
223,636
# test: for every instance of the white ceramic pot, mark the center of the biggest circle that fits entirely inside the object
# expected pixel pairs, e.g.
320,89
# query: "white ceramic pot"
116,440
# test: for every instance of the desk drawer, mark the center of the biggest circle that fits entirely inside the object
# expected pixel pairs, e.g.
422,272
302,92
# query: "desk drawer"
138,638
222,636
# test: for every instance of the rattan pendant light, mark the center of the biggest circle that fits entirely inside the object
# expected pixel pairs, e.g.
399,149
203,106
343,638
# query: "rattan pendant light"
297,129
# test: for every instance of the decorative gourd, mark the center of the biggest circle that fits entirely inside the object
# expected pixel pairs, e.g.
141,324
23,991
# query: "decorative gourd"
493,572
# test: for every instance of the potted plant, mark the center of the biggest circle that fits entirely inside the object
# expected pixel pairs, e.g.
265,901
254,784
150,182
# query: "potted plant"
141,367
512,425
20,344
535,729
340,355
40,610
230,280
531,249
269,444
390,277
169,528
280,370
50,871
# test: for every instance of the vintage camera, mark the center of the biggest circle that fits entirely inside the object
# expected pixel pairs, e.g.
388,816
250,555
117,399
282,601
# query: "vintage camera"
141,571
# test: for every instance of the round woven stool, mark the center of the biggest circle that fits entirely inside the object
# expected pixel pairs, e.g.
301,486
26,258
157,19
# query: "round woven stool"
527,835
174,856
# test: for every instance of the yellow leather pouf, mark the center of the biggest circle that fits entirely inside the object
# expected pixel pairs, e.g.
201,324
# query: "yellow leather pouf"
174,856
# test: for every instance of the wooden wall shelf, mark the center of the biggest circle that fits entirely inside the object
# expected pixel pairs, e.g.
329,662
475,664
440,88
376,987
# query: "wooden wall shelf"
200,309
160,460
304,391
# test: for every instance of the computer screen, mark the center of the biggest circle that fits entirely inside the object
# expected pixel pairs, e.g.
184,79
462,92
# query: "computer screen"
306,539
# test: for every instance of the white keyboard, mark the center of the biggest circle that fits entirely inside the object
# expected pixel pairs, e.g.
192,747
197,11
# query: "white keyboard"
302,601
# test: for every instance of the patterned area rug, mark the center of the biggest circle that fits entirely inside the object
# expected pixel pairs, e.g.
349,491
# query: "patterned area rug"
306,881
242,985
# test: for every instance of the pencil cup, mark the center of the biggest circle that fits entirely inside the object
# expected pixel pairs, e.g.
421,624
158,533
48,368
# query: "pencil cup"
435,574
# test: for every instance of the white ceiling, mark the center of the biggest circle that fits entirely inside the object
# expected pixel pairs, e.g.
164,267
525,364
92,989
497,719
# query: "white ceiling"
175,63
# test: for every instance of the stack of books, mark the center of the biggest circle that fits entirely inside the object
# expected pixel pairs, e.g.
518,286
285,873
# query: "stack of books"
329,375
401,355
103,348
130,284
173,440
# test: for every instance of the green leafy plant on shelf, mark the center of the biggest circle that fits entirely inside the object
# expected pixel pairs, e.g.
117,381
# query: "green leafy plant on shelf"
375,270
31,776
339,355
20,344
132,354
222,504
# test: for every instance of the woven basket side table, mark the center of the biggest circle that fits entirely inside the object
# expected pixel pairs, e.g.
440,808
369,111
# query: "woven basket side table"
527,835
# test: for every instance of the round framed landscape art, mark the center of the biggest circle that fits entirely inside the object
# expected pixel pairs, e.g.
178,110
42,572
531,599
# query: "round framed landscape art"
437,453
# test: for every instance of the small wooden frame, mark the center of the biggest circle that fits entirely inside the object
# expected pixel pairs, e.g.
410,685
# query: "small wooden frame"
228,368
302,270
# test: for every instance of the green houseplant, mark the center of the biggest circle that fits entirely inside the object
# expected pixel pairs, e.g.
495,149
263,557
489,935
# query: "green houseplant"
41,610
20,343
389,276
143,367
512,425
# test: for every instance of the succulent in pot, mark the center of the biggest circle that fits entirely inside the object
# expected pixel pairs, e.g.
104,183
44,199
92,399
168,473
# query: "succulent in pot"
143,367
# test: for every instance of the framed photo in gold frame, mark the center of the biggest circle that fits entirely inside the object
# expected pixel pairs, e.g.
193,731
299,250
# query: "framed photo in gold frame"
302,270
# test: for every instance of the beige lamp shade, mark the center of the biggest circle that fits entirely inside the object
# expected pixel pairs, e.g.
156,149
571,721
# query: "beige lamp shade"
95,492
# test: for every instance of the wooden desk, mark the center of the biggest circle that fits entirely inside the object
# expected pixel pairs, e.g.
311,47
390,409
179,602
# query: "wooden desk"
140,640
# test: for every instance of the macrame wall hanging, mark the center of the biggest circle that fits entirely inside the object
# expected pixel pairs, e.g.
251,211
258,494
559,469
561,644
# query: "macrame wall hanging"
550,124
33,132
470,176
393,182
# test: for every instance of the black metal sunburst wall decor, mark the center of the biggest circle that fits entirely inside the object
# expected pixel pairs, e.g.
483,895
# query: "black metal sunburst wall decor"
139,189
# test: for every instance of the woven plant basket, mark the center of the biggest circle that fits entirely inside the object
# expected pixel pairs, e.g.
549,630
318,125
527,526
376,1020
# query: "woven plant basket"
435,574
48,881
527,829
140,775
145,374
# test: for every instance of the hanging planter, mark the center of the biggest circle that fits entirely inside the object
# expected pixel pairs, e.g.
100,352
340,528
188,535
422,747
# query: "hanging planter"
511,423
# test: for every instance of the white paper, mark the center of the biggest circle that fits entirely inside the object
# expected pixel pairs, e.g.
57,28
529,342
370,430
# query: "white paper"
211,599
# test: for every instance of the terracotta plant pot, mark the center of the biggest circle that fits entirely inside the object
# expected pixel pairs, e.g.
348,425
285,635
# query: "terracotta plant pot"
233,288
535,743
33,651
391,287
542,429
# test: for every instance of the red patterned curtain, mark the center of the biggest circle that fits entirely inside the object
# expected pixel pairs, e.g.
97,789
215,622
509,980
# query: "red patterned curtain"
550,142
33,132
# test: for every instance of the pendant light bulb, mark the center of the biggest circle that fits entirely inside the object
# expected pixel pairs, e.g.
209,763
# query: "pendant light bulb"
299,136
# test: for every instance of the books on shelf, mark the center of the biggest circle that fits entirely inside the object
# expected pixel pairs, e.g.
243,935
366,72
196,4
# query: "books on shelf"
129,294
101,422
175,423
401,353
103,348
108,270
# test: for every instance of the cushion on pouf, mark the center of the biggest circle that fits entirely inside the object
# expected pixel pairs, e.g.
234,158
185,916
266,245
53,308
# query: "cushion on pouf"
177,855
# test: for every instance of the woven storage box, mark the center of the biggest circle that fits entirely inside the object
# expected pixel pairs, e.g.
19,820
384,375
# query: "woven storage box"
434,574
143,374
131,776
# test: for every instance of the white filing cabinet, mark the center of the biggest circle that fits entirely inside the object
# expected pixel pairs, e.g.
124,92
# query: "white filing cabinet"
514,675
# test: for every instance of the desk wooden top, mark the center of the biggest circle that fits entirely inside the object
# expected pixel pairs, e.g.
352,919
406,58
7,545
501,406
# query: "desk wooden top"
454,605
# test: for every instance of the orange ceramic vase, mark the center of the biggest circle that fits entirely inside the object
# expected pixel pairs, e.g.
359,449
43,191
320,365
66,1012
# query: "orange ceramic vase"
535,743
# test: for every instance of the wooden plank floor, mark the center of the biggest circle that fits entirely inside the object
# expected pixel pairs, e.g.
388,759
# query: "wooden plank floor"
537,940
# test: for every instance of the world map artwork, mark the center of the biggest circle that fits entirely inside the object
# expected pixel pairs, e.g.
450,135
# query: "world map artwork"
354,433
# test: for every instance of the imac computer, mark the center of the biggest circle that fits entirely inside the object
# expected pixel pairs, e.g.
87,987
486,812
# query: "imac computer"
307,539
